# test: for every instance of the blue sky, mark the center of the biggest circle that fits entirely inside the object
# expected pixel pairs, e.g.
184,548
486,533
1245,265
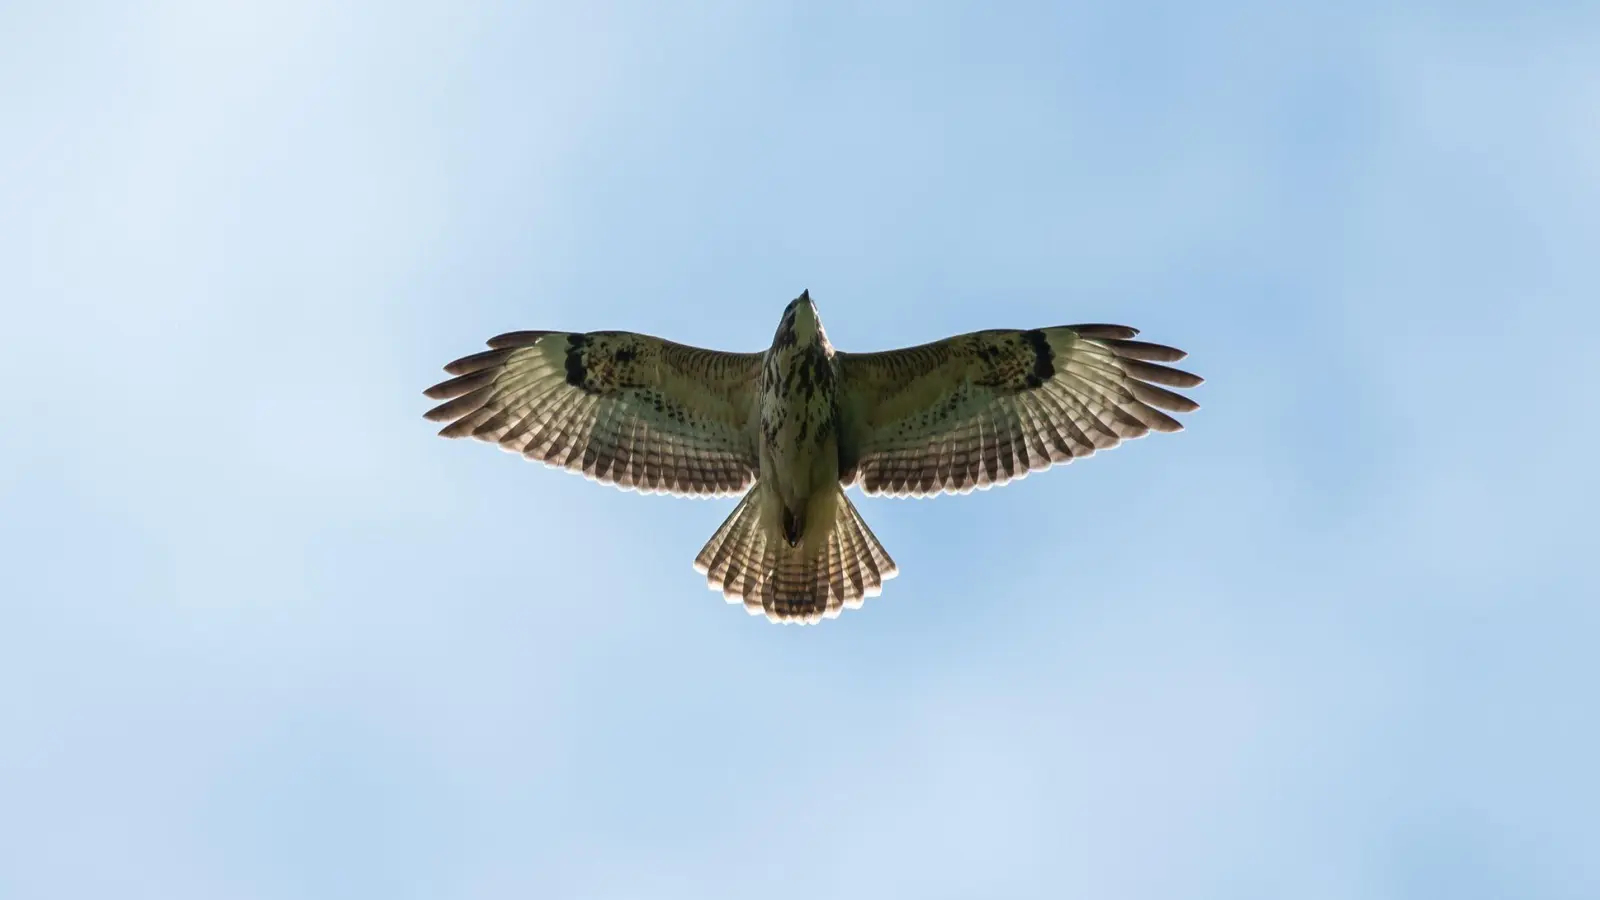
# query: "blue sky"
266,637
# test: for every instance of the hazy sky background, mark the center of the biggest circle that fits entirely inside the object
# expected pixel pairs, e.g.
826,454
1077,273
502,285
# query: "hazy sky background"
263,636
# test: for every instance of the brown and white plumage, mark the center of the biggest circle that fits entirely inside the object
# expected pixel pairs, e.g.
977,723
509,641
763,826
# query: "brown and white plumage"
753,565
625,409
794,425
981,409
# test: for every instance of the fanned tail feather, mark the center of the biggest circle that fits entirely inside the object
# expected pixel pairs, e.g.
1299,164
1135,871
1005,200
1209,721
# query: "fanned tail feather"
831,570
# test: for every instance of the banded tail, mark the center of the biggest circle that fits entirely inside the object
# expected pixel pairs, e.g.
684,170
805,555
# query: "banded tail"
837,564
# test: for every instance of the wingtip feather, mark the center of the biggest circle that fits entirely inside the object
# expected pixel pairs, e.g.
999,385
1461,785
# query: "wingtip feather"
513,339
475,362
1098,330
460,406
461,384
1158,374
1143,350
1161,398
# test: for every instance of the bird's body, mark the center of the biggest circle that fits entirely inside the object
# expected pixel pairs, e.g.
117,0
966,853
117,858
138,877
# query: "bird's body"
792,426
799,419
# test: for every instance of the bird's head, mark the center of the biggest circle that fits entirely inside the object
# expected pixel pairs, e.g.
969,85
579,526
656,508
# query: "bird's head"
801,326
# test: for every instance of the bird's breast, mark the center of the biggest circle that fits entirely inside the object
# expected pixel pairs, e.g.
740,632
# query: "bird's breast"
798,419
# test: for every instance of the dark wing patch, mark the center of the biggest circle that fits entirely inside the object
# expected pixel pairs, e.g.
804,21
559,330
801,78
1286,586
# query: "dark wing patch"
622,408
981,409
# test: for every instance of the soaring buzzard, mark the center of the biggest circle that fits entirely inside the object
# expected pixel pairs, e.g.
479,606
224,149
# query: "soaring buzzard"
792,427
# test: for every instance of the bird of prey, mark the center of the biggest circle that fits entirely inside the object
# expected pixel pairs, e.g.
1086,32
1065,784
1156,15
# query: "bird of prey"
791,427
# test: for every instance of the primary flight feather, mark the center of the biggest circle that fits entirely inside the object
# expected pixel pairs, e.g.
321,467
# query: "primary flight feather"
793,426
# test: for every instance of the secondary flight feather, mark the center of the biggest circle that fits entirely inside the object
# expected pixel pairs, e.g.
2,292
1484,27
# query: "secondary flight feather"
791,427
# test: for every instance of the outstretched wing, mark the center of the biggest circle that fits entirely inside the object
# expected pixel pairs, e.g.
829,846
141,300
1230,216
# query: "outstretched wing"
626,409
983,408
